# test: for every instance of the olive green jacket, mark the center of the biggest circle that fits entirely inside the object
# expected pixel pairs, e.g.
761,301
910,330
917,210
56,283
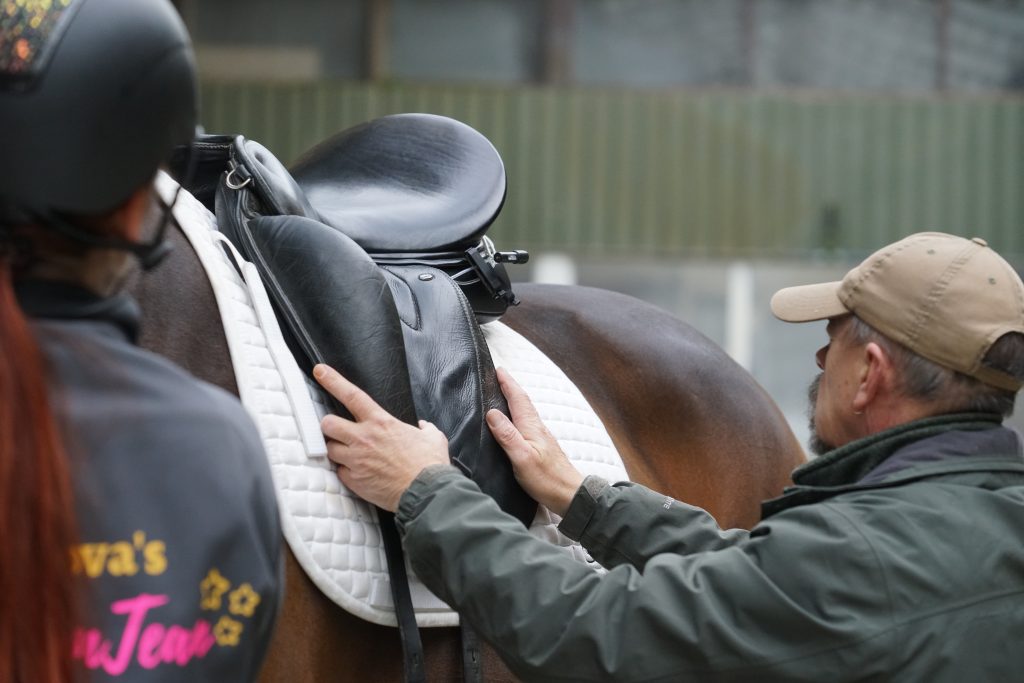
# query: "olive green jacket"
897,557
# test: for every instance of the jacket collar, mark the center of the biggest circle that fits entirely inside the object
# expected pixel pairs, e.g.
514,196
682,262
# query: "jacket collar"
932,446
49,299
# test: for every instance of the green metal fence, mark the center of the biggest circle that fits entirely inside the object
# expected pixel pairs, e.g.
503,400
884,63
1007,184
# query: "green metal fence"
696,173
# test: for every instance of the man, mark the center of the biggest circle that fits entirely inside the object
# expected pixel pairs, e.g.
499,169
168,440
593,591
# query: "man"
898,554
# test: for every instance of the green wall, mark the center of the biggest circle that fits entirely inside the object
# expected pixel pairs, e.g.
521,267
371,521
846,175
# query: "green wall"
703,173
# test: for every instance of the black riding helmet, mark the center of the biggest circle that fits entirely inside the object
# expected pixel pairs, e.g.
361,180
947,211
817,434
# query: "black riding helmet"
94,96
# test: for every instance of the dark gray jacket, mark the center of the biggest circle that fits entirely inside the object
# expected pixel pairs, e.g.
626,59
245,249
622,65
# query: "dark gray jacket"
179,541
897,557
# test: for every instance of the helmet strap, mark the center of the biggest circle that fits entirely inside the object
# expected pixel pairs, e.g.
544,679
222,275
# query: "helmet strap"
149,254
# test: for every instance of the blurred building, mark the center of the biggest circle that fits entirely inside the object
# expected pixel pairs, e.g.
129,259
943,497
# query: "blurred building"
696,154
962,45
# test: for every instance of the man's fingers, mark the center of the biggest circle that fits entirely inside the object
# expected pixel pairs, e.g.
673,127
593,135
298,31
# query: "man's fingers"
337,428
337,452
352,397
519,403
506,434
346,477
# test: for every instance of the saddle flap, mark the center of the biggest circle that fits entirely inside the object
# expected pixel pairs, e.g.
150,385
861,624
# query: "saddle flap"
406,183
334,306
453,379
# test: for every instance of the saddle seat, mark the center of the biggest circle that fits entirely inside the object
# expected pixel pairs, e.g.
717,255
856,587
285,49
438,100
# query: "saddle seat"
405,183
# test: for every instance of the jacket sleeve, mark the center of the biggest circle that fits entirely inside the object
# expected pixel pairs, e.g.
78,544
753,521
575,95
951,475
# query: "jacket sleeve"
742,612
629,523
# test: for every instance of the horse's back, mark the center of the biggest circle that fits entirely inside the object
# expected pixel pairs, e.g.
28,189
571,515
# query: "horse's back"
685,417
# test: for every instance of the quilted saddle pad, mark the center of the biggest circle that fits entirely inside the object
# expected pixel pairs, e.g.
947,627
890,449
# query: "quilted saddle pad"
334,535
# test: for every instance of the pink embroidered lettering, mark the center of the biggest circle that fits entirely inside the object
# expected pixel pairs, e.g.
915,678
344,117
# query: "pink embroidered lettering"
89,646
176,647
148,657
202,638
150,646
136,609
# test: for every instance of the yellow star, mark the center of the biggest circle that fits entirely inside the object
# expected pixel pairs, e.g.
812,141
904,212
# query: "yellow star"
243,600
227,631
211,589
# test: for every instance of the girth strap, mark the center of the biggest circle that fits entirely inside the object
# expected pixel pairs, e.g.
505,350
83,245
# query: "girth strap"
408,631
472,658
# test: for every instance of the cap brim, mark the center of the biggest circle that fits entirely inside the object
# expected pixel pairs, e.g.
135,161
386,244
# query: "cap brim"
808,302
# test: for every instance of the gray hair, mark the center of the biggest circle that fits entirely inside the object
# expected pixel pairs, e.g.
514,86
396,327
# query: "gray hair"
949,390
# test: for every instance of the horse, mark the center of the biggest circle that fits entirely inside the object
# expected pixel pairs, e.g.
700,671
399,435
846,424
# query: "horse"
686,419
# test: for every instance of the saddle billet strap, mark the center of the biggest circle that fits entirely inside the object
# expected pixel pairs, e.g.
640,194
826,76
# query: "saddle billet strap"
409,632
472,658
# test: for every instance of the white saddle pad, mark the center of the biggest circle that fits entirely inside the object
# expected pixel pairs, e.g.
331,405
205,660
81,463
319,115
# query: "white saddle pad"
334,535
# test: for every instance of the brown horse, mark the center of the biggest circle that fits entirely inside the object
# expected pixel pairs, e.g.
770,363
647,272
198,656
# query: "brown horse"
686,419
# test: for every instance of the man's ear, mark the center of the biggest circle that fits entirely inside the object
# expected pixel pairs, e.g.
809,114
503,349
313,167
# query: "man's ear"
875,379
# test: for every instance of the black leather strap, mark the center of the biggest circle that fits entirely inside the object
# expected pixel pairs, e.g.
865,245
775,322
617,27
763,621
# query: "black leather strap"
408,631
472,658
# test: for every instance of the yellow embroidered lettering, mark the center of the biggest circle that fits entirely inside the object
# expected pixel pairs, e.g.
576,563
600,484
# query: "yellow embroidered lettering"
94,557
155,554
122,560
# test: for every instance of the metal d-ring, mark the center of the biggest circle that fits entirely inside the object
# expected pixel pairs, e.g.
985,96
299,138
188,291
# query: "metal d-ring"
233,186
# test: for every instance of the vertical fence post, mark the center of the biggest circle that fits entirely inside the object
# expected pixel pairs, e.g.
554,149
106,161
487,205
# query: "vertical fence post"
748,41
943,16
556,52
554,269
377,37
739,313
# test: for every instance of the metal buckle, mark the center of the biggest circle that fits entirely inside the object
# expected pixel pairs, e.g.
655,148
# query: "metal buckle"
234,186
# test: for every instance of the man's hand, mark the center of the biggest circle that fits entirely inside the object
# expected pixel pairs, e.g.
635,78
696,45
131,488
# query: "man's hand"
540,466
378,455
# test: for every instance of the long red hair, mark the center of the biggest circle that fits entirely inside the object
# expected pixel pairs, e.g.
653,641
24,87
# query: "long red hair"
38,603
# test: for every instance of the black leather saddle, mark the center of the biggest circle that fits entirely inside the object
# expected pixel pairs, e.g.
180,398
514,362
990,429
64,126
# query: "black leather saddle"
374,252
408,189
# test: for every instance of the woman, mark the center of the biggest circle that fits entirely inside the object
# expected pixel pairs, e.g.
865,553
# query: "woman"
138,523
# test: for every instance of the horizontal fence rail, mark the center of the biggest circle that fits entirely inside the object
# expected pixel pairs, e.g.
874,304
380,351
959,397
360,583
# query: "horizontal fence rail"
695,173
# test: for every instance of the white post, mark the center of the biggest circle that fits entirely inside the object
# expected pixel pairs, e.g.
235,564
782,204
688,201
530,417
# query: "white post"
739,313
555,269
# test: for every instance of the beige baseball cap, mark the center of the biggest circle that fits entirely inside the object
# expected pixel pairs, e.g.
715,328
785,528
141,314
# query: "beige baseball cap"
944,297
